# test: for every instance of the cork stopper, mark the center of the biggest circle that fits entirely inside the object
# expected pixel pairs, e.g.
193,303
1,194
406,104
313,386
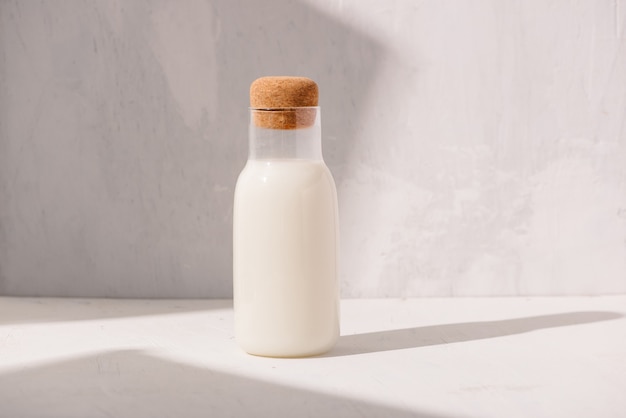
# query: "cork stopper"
281,102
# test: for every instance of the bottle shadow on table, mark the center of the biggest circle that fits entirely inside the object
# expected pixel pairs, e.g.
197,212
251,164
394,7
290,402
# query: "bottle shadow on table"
136,383
460,332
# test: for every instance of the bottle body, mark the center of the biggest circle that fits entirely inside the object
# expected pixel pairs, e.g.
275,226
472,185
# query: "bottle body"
285,237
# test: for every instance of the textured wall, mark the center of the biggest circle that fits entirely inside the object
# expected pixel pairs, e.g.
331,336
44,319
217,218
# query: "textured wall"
479,147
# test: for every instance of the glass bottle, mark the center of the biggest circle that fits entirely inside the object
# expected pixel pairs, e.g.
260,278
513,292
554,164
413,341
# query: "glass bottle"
285,238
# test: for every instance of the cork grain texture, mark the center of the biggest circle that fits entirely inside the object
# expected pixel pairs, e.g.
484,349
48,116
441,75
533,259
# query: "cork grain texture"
282,102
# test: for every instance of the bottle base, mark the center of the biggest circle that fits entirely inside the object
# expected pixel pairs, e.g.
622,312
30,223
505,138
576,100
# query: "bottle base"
278,352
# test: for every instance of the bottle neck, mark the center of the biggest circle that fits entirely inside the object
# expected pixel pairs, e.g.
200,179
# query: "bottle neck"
269,140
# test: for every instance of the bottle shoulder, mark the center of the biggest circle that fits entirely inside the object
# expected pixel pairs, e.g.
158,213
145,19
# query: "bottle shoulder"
285,173
280,168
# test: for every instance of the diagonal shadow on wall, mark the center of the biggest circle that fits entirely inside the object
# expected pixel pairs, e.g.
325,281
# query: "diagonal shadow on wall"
128,128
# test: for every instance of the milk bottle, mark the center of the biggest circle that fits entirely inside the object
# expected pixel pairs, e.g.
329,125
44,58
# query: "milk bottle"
285,231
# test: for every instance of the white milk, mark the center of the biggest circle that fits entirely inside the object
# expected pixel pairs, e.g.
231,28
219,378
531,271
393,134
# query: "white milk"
285,258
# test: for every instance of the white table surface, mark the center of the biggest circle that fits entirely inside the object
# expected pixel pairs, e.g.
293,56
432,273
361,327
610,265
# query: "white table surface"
475,357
